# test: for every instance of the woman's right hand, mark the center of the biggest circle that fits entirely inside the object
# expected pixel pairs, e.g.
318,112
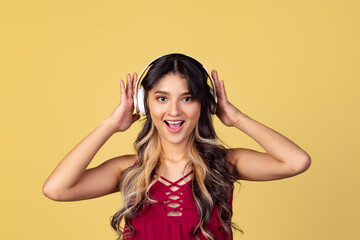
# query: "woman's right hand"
123,116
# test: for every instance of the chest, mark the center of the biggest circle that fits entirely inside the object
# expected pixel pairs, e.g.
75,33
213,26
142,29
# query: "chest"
173,198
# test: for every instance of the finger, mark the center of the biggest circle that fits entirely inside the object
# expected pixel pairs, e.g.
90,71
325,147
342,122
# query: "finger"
128,85
215,76
217,84
223,89
135,77
216,81
122,90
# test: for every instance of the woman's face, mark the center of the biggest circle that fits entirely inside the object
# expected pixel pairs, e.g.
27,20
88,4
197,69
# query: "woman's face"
173,110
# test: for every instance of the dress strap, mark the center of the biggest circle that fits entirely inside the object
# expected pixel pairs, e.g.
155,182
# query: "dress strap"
182,178
136,162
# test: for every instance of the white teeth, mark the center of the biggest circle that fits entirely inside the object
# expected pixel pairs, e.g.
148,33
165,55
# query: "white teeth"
174,122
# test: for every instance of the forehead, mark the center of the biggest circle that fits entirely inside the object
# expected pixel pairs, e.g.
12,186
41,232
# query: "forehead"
172,83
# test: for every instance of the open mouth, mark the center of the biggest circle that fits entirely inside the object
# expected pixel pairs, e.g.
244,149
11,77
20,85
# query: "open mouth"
174,126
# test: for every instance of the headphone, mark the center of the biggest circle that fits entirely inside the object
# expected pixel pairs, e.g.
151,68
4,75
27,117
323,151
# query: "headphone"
139,95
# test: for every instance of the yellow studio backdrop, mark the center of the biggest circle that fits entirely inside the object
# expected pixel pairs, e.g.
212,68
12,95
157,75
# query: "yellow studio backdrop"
291,65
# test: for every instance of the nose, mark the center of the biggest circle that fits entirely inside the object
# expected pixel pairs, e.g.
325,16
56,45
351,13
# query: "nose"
174,108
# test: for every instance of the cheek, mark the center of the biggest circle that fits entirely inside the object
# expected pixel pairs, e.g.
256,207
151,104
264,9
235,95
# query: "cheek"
195,112
156,112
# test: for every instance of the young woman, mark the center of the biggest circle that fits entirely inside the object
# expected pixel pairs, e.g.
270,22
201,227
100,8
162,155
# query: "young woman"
179,183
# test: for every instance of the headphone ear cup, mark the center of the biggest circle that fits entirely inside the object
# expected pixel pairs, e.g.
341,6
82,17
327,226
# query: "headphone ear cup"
214,105
213,109
136,108
141,101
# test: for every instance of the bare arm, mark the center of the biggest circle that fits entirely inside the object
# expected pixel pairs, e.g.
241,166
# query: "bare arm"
282,158
71,180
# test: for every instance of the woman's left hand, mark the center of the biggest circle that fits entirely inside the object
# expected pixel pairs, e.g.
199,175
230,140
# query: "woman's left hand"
226,112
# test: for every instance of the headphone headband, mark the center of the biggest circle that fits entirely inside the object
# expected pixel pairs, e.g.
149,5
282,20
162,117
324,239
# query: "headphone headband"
139,93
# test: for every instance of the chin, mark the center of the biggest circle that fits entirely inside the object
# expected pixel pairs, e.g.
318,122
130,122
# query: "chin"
175,139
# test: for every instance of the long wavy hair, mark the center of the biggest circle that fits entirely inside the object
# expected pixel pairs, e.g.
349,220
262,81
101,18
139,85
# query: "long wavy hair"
213,175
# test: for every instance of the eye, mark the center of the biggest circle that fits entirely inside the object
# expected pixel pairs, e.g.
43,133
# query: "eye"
187,99
161,99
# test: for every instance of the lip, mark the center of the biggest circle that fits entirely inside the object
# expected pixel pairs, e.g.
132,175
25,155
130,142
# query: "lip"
174,130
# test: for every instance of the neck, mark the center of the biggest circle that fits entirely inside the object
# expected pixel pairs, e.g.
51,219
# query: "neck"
174,152
174,159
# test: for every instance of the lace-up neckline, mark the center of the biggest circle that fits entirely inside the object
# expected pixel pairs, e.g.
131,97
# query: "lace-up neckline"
174,194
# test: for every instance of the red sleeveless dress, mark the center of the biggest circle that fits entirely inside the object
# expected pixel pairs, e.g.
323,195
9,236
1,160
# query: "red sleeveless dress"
174,215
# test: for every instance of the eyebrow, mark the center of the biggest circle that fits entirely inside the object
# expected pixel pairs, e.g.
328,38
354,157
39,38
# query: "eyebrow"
166,93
